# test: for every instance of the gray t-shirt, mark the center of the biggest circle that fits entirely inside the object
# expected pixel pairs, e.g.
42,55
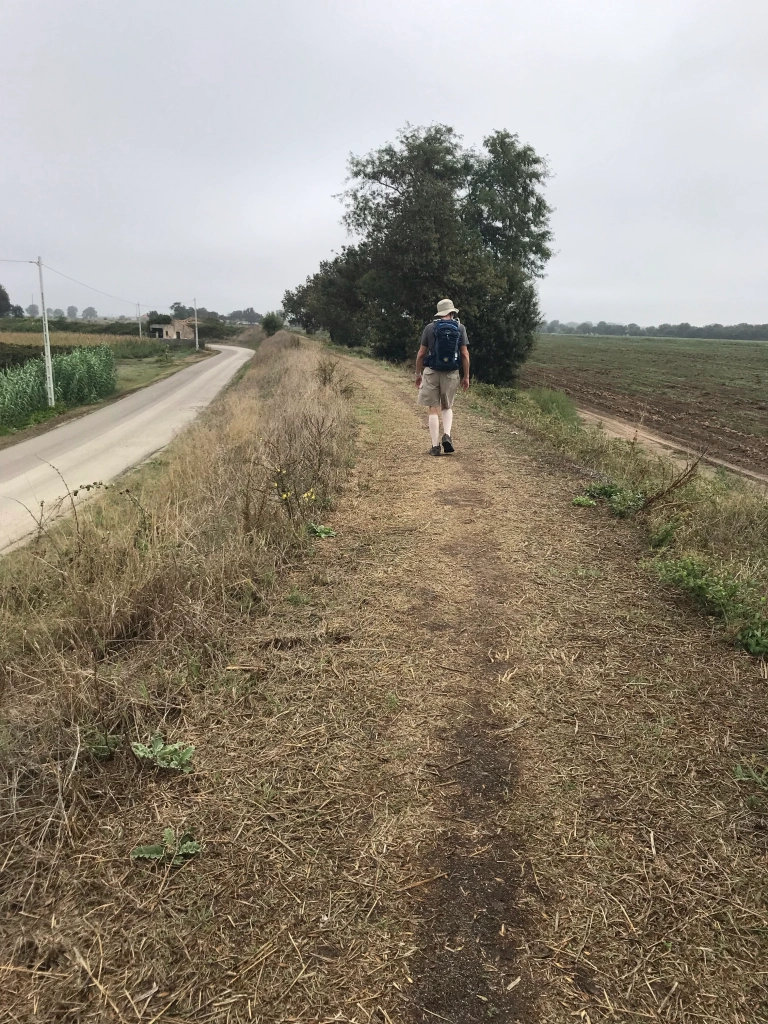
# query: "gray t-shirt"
428,336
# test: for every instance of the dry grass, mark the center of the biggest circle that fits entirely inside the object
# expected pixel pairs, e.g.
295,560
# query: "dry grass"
122,621
712,515
611,766
454,738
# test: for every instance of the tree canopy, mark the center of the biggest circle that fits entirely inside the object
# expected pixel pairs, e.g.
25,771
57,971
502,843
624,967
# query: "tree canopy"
722,332
5,302
272,322
435,219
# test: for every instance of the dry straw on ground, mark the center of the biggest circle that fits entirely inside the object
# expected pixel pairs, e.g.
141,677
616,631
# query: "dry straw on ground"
468,761
121,622
713,514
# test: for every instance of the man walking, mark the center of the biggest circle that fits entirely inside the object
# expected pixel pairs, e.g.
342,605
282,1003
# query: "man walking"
443,352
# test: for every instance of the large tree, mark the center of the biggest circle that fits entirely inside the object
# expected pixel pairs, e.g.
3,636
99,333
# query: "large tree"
437,219
5,302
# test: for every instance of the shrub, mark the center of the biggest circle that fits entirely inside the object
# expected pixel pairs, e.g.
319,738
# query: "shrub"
272,323
135,349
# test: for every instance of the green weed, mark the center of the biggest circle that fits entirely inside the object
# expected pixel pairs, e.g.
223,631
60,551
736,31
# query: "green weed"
173,849
758,775
320,531
719,591
626,502
555,403
622,501
177,756
297,598
582,501
602,490
131,348
100,743
663,535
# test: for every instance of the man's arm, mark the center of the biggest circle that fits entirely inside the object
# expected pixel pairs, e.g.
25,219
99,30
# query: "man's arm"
420,363
464,352
421,354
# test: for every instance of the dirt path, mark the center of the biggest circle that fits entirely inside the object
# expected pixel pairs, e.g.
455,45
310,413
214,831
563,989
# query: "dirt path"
473,765
561,747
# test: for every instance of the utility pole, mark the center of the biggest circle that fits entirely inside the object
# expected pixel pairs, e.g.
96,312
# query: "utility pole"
197,342
46,340
138,316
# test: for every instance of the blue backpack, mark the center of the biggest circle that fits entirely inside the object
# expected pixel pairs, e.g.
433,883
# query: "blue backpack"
445,348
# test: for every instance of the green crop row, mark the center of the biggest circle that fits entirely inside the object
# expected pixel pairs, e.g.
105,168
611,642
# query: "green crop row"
79,378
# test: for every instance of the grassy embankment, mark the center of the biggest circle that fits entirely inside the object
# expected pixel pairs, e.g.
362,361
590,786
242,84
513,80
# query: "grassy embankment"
712,395
708,533
117,627
138,363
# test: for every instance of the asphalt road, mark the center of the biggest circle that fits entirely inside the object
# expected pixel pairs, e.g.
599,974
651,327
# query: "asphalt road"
103,444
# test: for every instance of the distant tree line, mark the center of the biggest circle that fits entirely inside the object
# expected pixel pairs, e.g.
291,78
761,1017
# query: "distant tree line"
179,310
434,219
724,332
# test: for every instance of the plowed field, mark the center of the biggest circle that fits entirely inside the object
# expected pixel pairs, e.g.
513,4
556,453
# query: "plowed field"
710,395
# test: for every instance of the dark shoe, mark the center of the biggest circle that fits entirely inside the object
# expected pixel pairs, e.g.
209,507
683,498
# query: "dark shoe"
448,444
436,450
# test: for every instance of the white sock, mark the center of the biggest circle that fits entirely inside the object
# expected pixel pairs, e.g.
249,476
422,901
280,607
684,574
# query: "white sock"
434,428
447,421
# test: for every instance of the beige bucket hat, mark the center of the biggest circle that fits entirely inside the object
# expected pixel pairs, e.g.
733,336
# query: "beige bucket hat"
445,306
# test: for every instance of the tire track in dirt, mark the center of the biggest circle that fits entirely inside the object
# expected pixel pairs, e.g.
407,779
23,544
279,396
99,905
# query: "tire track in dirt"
697,421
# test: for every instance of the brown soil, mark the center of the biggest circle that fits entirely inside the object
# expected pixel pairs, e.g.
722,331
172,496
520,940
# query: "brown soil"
704,424
481,768
668,447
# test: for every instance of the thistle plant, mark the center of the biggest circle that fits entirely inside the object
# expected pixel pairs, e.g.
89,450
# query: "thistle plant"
173,849
177,756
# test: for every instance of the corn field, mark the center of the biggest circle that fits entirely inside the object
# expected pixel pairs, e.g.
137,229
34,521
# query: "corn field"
80,377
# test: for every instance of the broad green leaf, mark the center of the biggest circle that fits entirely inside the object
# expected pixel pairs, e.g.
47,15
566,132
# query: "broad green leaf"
154,852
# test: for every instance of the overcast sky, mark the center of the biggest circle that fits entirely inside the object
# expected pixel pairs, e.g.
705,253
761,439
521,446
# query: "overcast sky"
161,149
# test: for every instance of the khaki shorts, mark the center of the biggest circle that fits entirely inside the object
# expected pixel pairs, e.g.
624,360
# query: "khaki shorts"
438,388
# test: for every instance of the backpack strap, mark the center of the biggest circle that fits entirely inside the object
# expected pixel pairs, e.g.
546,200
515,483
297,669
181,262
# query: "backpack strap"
430,356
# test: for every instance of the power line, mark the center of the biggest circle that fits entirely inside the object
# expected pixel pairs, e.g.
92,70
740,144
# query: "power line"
99,291
109,295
